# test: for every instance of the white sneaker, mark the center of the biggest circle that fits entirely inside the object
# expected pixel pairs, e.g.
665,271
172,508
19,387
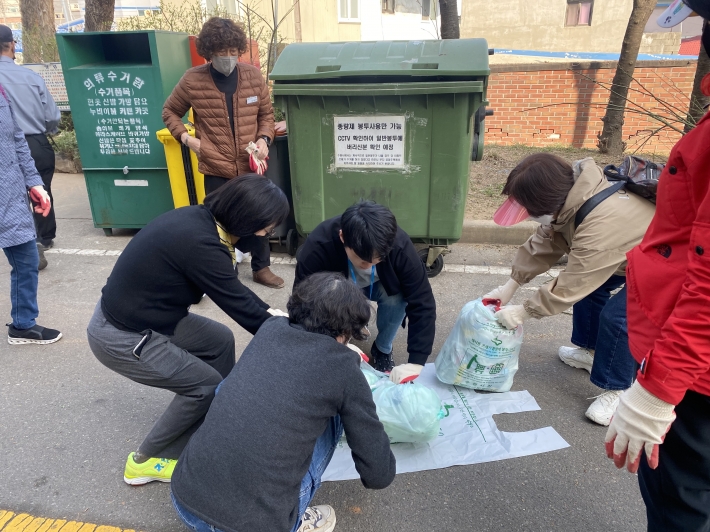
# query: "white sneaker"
318,519
603,407
577,357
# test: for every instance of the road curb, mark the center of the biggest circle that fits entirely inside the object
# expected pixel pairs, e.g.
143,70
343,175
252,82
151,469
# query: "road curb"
488,232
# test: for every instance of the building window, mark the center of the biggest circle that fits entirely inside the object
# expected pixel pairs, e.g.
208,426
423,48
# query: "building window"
388,6
141,12
579,13
59,16
348,10
426,9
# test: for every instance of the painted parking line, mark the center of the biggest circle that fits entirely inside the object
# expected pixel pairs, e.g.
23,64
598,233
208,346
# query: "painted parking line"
280,259
14,522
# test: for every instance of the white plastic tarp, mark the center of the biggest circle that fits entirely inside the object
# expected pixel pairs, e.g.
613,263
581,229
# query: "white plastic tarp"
468,433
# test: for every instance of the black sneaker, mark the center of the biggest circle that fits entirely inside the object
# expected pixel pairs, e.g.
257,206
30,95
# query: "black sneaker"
42,259
381,361
34,335
44,246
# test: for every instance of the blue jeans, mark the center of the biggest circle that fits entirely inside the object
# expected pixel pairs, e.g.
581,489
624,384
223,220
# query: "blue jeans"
391,311
599,323
24,260
322,454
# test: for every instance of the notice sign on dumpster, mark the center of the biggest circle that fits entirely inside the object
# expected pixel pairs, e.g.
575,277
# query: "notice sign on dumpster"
119,105
369,141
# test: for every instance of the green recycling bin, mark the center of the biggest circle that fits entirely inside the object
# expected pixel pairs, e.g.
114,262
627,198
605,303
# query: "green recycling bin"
117,83
397,122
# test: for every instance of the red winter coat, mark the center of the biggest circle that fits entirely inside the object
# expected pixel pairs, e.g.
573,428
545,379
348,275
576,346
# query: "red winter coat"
668,277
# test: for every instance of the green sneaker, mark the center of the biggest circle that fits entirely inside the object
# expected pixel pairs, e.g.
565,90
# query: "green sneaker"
160,469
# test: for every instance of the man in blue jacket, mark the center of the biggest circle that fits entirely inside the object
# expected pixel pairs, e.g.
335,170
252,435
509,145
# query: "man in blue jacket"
368,247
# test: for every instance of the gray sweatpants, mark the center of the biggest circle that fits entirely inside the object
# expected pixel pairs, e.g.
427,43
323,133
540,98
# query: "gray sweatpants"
191,363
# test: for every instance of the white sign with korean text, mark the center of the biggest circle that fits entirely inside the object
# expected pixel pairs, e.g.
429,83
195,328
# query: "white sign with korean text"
375,141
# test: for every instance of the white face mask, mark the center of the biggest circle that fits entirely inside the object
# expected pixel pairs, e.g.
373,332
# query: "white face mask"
224,64
543,220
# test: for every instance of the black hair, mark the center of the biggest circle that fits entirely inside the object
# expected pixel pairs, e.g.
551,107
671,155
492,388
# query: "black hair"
369,229
219,34
247,204
328,303
540,183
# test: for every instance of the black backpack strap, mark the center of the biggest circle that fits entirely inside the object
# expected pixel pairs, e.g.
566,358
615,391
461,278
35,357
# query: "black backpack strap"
595,200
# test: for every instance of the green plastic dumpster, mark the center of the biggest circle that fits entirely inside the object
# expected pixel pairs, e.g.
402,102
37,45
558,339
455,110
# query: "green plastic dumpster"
397,122
117,83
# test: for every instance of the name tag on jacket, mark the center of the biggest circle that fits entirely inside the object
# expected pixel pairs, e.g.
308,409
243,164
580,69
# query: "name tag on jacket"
252,99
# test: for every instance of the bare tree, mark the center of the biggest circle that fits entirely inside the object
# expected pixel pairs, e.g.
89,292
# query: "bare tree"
610,139
697,99
38,41
98,15
449,19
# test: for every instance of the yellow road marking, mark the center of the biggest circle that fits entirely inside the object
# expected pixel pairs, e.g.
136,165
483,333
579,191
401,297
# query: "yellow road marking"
12,522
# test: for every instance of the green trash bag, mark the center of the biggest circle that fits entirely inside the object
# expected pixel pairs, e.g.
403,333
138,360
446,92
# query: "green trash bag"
409,412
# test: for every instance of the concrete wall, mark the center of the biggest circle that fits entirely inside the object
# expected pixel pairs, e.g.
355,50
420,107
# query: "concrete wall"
318,20
405,23
540,25
667,43
558,103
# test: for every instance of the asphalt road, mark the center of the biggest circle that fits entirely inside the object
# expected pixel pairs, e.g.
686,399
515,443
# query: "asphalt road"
67,423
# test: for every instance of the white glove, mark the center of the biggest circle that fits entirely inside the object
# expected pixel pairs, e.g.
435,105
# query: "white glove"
641,421
512,316
358,351
503,293
405,373
277,312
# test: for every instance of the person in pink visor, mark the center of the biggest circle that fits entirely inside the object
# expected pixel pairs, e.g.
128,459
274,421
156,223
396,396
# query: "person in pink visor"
595,223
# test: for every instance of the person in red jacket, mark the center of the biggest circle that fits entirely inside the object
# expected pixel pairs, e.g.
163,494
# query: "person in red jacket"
666,412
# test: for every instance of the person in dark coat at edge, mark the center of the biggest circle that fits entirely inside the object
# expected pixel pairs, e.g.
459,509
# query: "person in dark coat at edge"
367,246
142,327
257,460
661,427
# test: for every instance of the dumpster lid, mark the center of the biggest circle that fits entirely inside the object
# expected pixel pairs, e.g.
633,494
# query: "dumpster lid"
453,57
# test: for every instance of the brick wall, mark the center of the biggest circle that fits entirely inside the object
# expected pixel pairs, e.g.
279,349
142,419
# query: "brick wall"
563,104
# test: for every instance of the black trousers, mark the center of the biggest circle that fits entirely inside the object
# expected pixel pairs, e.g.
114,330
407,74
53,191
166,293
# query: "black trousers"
258,246
677,492
43,155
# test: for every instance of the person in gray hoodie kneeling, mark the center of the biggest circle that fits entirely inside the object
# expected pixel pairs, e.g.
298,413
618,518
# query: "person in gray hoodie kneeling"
257,460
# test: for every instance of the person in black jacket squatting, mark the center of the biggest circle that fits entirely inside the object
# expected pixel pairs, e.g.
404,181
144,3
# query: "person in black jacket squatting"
142,327
368,246
258,459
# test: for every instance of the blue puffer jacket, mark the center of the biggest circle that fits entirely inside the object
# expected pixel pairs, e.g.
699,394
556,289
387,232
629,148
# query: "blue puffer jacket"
17,175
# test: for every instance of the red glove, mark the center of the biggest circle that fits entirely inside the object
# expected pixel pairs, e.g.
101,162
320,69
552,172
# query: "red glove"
257,165
40,200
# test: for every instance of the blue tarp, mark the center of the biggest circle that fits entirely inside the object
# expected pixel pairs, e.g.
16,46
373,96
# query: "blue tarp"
590,56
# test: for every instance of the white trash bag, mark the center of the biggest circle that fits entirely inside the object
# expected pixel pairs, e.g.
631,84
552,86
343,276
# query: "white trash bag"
409,412
480,353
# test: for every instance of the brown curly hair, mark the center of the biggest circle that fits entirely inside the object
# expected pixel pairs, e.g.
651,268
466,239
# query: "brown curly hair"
219,34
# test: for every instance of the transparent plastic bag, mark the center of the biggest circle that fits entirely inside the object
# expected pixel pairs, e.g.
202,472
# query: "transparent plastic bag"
409,412
480,353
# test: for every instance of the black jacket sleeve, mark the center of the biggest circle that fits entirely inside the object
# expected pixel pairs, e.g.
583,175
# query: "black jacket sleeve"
366,436
211,269
322,252
421,306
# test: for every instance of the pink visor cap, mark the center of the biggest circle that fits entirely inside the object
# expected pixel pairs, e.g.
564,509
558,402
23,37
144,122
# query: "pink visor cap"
510,213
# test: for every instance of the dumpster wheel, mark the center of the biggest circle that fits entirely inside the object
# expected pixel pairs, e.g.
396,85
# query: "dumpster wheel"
436,266
292,242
